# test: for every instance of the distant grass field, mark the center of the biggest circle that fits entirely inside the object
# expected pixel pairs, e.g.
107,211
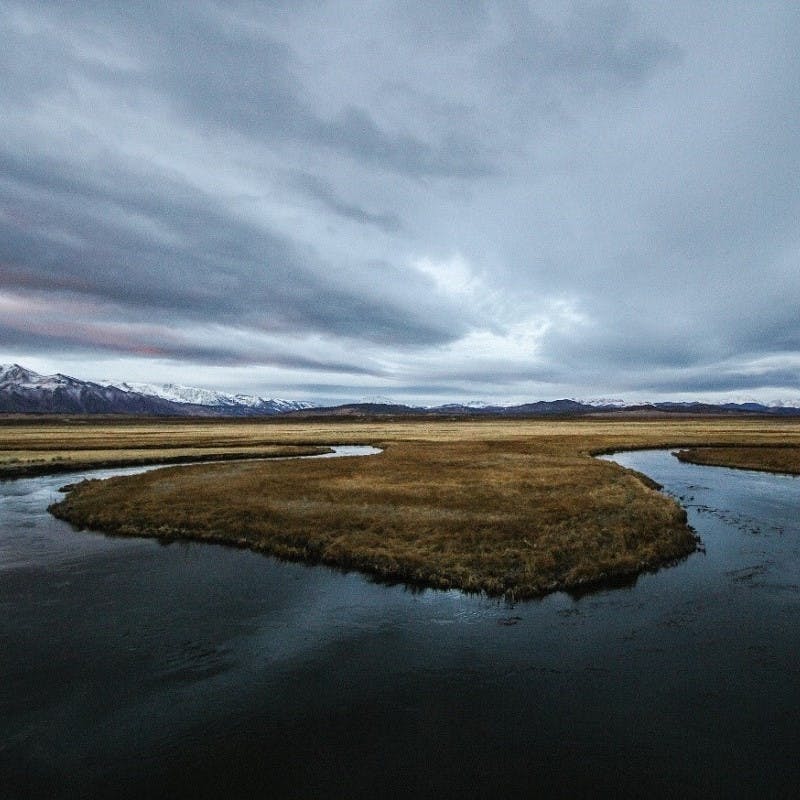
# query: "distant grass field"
51,446
515,508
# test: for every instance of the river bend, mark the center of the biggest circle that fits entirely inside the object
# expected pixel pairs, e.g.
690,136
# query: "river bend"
133,668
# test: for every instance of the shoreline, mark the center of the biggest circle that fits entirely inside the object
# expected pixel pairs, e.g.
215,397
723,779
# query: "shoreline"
613,579
773,460
33,470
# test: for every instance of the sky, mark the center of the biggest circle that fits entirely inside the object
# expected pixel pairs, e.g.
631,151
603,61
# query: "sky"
429,202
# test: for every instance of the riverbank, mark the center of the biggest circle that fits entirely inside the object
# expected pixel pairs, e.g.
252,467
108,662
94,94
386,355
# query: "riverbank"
32,465
785,459
52,446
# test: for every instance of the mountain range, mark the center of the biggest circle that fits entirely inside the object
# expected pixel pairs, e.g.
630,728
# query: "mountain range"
23,391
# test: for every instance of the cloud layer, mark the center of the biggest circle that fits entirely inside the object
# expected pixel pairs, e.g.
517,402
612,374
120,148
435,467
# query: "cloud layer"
505,200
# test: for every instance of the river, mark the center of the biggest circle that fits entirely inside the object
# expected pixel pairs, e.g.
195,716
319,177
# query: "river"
129,668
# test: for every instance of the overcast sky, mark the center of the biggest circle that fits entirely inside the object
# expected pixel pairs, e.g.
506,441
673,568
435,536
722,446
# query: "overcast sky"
429,201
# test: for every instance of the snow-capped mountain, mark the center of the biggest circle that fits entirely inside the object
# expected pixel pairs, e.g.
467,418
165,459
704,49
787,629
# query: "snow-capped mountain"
25,391
176,393
602,402
377,400
14,374
193,395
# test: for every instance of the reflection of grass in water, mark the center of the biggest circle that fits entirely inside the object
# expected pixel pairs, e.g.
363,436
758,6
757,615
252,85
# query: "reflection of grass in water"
514,507
767,458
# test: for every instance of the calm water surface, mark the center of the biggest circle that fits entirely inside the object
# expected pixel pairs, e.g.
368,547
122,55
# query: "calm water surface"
133,669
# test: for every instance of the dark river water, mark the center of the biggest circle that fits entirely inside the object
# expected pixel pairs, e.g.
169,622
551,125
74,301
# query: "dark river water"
133,669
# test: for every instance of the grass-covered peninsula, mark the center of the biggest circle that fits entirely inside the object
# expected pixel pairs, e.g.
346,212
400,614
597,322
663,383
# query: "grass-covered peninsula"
505,507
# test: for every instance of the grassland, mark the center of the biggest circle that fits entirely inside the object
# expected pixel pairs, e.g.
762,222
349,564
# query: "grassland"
763,459
78,444
505,507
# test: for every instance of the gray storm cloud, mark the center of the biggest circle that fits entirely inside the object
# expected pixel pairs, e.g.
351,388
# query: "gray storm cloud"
510,200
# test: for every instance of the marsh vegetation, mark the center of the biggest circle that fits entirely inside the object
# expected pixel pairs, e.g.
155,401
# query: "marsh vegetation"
78,444
762,459
505,507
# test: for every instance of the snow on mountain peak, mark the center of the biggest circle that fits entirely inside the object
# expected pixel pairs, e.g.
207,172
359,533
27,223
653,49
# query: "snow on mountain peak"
180,394
378,400
20,377
602,402
192,395
15,373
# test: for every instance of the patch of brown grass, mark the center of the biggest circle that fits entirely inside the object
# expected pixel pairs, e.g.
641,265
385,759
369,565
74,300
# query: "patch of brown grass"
497,517
763,459
24,463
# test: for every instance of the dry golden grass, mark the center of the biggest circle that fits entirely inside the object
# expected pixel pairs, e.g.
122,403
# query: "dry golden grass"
505,507
40,450
763,459
149,434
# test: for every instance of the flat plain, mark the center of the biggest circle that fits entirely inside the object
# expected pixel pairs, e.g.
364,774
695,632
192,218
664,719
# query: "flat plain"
507,507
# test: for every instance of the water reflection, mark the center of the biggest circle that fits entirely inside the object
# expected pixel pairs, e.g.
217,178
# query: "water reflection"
133,669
